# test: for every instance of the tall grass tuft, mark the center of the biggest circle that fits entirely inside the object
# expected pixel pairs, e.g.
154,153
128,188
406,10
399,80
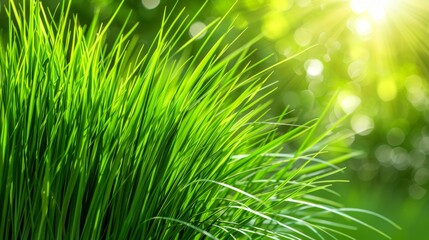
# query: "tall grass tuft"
127,142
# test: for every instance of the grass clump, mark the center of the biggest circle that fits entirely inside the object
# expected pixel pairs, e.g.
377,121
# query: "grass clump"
123,142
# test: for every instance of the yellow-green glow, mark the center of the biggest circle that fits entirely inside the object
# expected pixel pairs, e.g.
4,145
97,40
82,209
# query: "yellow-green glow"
387,90
274,26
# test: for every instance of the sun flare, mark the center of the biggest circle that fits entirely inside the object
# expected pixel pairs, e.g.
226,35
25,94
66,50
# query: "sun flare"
375,9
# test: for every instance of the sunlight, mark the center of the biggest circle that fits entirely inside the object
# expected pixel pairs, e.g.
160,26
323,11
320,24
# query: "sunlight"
363,26
375,9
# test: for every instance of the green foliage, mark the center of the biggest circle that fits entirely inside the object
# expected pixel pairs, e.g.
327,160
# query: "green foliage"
119,142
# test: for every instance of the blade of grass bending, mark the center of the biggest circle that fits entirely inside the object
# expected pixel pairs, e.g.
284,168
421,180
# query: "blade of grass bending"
203,232
339,213
371,213
273,220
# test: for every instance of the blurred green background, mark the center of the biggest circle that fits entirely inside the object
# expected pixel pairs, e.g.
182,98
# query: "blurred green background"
373,53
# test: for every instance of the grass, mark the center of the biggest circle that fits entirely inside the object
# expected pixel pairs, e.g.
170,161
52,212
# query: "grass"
126,142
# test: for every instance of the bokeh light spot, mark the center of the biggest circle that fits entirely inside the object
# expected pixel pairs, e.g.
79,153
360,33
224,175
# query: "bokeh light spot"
415,90
150,4
382,153
274,26
356,69
349,103
363,27
416,191
302,37
423,144
362,124
326,58
197,28
281,5
400,158
241,22
395,136
313,67
387,90
421,176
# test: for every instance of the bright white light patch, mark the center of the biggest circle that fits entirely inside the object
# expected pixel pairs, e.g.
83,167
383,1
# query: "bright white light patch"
349,103
363,27
377,12
362,124
376,9
197,28
150,4
314,67
359,6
